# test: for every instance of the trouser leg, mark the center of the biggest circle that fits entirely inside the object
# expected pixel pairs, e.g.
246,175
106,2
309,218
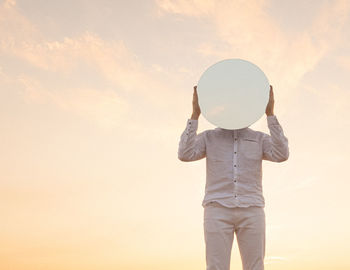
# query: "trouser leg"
218,234
250,232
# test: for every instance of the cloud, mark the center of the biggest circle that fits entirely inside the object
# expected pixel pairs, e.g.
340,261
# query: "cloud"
246,30
113,59
9,3
274,259
216,110
304,184
332,101
14,26
188,8
21,39
125,81
102,106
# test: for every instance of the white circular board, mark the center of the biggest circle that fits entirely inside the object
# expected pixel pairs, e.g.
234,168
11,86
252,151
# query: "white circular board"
233,93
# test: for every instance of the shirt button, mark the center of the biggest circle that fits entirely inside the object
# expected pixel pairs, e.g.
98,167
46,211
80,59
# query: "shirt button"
235,180
235,152
235,139
234,165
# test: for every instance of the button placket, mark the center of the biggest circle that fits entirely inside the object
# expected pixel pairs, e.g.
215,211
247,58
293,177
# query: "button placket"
235,162
235,152
188,127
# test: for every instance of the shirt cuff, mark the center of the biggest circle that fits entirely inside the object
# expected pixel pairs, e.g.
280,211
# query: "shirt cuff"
192,124
272,120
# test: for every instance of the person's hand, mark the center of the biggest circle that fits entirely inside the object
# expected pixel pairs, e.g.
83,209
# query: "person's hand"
196,111
270,104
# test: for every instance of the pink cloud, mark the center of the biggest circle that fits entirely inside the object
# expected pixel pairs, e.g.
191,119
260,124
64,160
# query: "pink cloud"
246,30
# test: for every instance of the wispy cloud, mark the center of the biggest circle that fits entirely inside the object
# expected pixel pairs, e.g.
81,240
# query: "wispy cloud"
246,30
216,110
102,106
303,184
126,80
274,259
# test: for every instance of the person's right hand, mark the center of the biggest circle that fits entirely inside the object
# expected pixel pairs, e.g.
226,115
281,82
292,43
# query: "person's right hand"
196,111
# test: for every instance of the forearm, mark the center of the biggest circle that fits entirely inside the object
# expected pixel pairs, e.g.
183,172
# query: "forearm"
276,145
276,131
194,116
191,145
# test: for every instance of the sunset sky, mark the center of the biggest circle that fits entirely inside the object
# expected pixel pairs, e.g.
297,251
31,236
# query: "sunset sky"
94,96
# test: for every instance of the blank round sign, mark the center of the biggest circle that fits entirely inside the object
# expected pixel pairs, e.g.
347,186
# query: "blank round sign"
233,93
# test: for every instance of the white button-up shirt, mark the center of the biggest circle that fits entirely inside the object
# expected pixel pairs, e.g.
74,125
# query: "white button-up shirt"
234,160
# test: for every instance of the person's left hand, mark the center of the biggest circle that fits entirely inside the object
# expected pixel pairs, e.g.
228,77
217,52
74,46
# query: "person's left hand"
270,104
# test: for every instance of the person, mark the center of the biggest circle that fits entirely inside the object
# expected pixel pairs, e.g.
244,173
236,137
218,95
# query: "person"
234,201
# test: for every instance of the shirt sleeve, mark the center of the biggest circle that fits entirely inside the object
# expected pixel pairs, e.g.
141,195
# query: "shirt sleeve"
275,146
192,145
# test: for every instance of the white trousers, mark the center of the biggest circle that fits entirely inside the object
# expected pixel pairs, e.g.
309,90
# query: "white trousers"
221,222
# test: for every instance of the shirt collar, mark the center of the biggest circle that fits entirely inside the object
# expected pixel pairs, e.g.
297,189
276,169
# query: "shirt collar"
239,131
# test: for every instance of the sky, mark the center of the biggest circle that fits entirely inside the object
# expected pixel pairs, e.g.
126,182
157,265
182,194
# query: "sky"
94,96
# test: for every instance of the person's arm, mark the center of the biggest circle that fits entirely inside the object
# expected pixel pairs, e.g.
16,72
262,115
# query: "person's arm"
191,145
275,146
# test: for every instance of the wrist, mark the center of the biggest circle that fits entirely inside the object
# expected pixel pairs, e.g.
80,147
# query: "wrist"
194,116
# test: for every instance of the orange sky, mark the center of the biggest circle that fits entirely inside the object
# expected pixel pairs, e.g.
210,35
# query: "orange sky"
94,96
